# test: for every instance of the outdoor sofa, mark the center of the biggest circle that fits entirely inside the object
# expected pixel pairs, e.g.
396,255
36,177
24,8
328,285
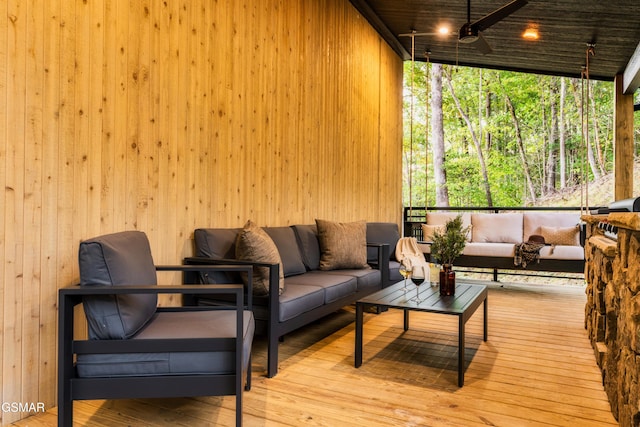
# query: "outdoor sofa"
493,238
305,279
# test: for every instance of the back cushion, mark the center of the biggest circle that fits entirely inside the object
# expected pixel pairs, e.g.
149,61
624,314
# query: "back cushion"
119,259
497,228
382,232
285,240
534,220
217,243
307,237
441,218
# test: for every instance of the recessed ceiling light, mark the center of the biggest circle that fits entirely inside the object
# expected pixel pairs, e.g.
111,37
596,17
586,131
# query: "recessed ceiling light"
444,30
531,33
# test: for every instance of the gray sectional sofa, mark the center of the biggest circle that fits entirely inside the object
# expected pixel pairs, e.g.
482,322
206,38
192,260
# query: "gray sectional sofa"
307,289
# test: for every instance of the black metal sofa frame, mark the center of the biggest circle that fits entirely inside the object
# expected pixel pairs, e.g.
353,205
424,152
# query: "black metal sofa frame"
72,387
382,237
273,327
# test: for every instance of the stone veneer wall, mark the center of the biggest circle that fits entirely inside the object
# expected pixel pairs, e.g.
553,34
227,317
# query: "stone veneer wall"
612,312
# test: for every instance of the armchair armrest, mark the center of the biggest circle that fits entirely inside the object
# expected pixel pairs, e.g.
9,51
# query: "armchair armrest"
382,262
72,295
274,273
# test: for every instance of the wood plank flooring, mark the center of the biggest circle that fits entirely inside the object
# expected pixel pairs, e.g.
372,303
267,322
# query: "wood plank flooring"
536,369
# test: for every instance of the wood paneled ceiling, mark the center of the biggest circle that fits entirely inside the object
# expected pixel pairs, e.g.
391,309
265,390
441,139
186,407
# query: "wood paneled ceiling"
565,27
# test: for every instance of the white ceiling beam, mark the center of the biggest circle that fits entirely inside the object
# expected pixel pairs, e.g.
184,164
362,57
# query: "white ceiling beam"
631,77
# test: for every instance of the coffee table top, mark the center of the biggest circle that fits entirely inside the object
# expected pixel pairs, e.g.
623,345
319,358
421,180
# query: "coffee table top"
395,297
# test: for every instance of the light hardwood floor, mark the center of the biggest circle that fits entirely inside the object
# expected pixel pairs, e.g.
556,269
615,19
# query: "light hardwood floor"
536,369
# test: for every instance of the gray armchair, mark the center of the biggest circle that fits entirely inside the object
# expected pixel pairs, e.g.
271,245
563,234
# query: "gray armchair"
138,350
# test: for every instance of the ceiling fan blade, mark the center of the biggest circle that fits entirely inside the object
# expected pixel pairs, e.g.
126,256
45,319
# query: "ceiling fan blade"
423,34
482,45
499,14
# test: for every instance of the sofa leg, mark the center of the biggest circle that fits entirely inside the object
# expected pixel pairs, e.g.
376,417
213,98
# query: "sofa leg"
272,357
495,274
238,408
65,413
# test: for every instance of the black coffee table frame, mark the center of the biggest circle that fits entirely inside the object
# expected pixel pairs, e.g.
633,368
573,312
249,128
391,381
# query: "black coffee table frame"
463,304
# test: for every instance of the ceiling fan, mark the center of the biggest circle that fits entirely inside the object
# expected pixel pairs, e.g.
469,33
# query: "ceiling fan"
470,33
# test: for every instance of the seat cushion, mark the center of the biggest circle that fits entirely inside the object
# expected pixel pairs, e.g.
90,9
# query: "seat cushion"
297,299
382,232
335,286
287,244
194,324
118,259
562,252
342,244
507,250
366,279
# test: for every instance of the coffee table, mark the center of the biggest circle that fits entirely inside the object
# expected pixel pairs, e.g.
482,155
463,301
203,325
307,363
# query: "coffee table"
463,304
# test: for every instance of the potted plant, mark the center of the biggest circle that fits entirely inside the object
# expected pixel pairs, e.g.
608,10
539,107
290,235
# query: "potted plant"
446,247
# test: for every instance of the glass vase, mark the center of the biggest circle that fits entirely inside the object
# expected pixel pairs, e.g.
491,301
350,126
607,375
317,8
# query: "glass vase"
447,281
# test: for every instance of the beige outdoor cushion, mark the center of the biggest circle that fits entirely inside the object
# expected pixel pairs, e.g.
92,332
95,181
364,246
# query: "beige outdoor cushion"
441,218
429,230
533,221
567,236
342,245
497,228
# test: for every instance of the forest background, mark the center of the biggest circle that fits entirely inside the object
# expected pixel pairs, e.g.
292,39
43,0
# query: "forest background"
480,137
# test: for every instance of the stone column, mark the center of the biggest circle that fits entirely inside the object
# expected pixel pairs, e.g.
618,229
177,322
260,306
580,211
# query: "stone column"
612,312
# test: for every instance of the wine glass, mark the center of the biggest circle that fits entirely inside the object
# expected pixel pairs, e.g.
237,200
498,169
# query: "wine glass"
417,277
405,271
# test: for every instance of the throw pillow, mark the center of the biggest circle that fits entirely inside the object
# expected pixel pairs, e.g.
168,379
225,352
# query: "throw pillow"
254,244
441,218
429,230
567,236
342,245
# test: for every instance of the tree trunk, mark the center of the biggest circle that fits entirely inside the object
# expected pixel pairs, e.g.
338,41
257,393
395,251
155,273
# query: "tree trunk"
523,156
562,135
476,142
550,168
437,137
577,95
595,133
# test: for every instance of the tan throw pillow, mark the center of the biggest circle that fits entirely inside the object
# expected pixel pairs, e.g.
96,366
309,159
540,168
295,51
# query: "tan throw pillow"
342,244
441,218
566,236
429,230
254,244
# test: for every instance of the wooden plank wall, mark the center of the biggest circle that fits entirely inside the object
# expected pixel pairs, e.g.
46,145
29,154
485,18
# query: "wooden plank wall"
166,116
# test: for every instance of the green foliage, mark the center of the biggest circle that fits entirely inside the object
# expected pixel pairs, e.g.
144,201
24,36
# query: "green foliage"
448,245
483,98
